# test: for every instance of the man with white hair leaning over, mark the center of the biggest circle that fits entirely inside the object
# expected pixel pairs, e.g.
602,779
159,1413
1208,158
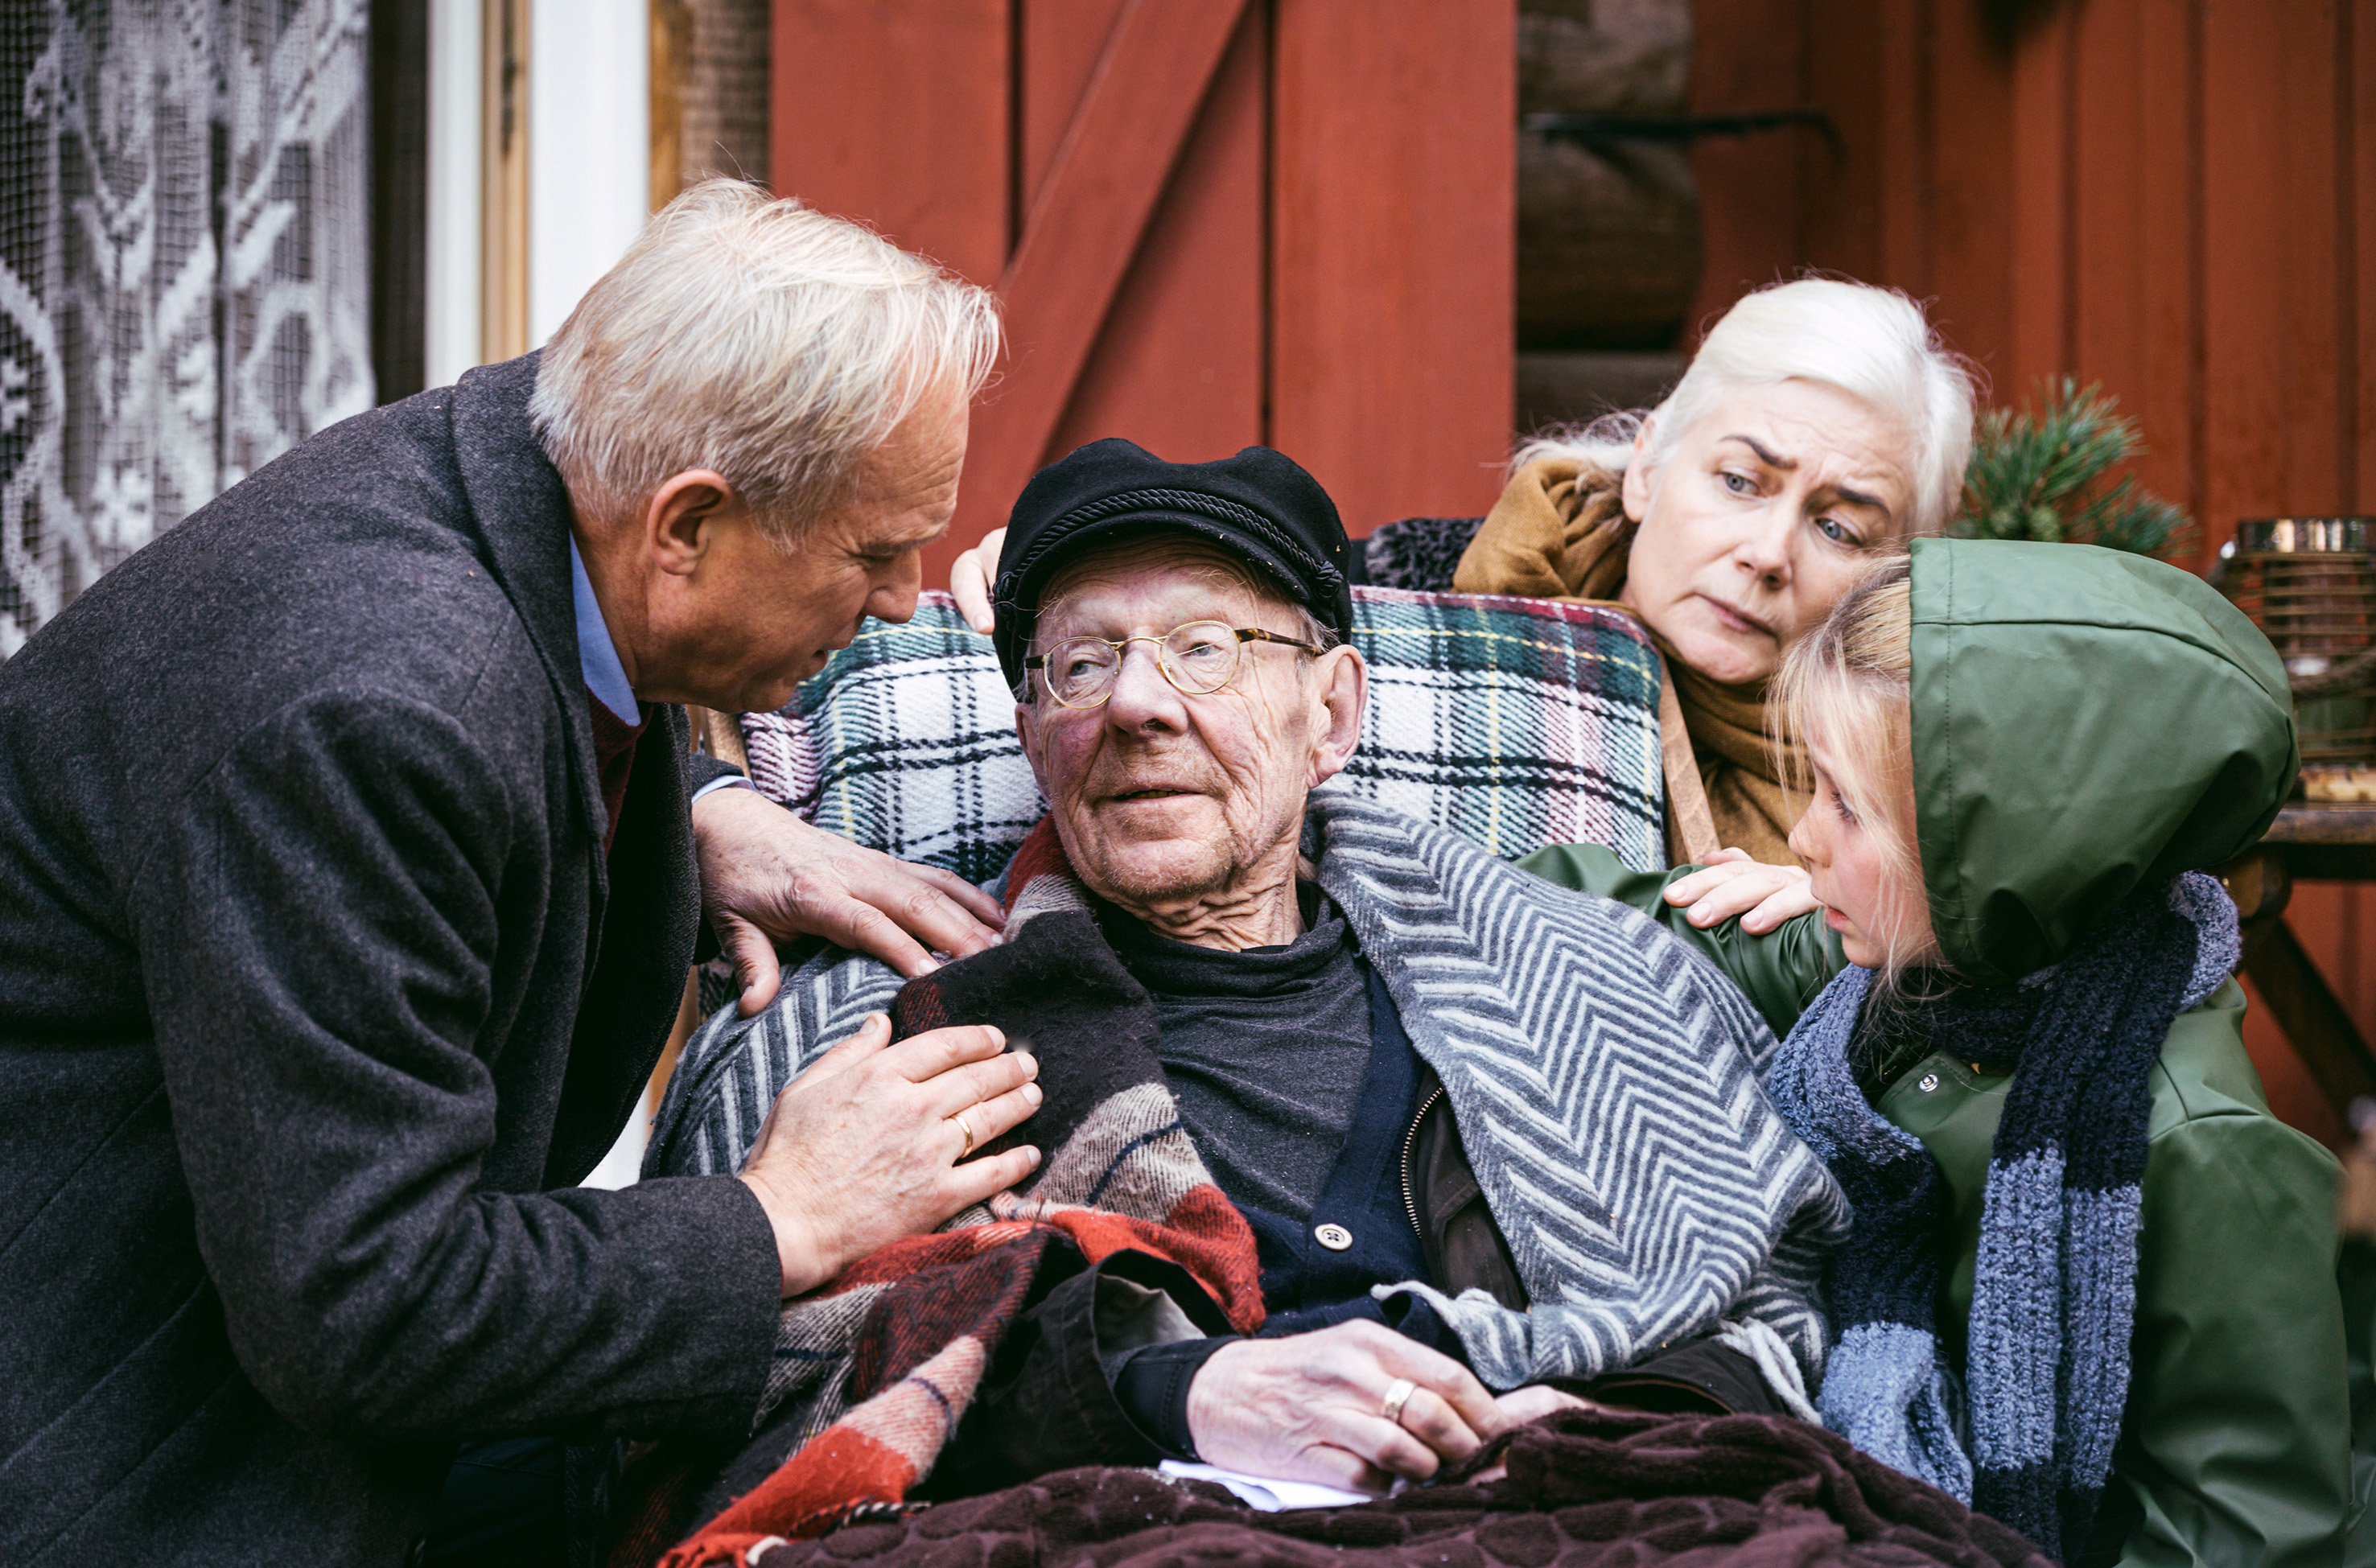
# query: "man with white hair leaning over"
350,845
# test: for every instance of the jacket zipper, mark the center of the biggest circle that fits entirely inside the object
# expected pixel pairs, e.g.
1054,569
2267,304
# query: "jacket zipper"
1410,1140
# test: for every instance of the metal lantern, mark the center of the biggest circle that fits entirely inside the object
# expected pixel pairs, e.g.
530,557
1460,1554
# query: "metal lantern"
2310,584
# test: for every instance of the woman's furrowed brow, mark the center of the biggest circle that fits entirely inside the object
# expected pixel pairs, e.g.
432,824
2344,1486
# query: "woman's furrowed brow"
1765,454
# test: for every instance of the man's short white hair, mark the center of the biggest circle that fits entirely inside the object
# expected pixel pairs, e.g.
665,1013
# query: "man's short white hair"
759,337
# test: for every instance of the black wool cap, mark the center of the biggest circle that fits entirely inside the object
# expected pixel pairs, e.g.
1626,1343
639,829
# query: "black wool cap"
1260,506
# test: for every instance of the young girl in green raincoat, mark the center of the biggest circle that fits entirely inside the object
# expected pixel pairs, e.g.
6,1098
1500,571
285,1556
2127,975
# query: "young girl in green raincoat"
2091,1284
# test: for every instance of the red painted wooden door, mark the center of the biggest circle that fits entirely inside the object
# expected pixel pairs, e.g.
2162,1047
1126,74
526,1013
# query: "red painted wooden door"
1213,222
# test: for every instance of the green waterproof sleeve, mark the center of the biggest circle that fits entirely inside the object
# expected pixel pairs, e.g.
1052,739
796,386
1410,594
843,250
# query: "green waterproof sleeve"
2237,1444
1780,971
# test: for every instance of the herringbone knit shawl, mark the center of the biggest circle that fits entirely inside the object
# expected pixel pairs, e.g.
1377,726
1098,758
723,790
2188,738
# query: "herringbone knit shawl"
1603,1076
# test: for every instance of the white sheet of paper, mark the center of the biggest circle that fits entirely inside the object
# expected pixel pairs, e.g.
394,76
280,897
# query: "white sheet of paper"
1262,1492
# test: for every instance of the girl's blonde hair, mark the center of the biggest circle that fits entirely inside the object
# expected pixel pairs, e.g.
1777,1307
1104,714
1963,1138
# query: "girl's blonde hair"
1847,687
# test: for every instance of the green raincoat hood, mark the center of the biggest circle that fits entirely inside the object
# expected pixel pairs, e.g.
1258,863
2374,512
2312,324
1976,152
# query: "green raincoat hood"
2084,719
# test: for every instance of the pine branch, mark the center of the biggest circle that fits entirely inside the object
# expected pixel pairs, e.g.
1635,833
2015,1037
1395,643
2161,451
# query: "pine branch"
2037,473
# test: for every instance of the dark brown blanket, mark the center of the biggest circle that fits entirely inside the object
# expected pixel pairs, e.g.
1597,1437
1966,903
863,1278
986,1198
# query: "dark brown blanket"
1584,1488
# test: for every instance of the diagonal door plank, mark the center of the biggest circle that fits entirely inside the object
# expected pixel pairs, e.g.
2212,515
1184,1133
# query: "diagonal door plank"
1084,229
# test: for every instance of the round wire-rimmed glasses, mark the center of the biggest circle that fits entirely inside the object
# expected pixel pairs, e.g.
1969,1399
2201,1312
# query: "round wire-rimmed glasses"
1199,658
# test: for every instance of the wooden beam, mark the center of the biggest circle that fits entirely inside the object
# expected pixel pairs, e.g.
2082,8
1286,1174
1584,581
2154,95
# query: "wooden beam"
1746,54
2322,1033
671,68
1179,366
1082,230
502,183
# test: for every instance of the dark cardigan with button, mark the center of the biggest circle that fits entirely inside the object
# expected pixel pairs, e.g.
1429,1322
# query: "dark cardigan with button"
313,980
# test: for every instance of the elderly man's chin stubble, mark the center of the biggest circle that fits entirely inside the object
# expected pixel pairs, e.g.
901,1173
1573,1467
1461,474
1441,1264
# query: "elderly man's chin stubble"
1154,841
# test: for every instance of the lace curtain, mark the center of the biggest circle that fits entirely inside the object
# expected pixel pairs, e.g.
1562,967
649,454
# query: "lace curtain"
185,265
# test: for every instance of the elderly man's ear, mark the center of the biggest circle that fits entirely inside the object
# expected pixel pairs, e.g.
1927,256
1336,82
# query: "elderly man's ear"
1338,688
679,524
682,514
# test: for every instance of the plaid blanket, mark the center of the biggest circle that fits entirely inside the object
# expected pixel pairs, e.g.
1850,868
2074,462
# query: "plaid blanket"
1514,722
874,1372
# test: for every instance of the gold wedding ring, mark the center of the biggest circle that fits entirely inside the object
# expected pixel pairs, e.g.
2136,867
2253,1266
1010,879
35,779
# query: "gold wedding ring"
967,1128
1397,1394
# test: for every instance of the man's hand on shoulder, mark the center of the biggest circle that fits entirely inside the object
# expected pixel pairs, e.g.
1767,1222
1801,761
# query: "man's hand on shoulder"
768,876
871,1142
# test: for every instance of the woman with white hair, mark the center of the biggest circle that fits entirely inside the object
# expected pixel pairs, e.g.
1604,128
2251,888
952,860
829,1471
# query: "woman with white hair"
1820,422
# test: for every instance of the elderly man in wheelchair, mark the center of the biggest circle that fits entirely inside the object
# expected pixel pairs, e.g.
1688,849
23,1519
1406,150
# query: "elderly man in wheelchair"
1361,1145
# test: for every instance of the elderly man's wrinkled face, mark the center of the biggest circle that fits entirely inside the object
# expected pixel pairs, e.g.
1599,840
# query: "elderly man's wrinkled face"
1165,799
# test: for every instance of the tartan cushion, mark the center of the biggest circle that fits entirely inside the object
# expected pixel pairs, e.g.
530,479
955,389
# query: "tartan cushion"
1514,722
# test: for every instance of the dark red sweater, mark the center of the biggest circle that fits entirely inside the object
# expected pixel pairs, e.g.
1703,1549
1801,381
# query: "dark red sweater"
615,758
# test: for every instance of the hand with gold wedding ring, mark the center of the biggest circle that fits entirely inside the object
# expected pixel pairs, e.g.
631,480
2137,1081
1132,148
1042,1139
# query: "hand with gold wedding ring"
1306,1407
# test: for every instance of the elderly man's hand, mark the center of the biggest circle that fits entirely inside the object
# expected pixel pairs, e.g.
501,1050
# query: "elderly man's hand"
970,577
768,876
1732,884
865,1146
1310,1407
1522,1406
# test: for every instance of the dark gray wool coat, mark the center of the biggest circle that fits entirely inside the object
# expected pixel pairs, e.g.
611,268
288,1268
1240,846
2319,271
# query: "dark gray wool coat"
313,980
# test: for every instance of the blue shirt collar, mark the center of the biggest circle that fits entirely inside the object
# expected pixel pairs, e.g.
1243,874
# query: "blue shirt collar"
598,659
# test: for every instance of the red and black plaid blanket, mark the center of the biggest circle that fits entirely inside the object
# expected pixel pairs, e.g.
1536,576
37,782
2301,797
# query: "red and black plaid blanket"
874,1371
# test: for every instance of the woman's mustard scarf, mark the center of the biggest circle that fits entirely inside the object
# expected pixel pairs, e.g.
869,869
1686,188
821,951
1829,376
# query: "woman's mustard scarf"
1559,532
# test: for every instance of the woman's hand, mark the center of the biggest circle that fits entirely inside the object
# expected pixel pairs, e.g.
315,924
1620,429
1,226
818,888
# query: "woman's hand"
1312,1408
1732,883
971,578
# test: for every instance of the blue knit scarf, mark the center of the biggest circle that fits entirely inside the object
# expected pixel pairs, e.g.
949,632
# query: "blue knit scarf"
2054,1299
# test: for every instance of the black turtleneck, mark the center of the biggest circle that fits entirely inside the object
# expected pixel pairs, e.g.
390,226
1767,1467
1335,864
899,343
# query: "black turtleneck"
1265,1049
